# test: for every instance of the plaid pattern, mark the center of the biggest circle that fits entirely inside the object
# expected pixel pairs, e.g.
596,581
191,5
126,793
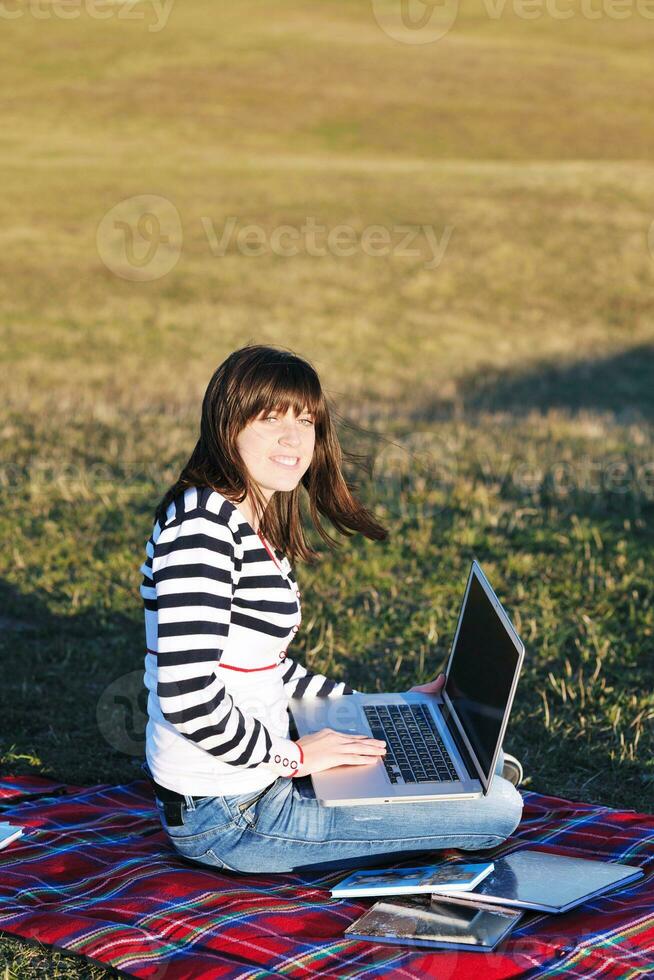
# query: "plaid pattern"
94,874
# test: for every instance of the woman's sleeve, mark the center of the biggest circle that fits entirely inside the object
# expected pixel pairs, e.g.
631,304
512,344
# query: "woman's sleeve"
193,573
302,683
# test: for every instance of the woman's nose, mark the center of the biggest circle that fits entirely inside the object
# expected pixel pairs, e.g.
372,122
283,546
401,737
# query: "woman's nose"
290,438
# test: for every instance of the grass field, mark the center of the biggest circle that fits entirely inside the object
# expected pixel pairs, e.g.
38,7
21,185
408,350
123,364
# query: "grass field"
501,389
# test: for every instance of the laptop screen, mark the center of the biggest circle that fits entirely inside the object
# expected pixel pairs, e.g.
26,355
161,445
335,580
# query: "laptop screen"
481,671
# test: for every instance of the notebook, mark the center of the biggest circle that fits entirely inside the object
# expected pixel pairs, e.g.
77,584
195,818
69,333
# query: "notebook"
429,878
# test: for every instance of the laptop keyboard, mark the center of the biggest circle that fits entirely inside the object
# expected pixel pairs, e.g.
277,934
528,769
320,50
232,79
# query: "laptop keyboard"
415,751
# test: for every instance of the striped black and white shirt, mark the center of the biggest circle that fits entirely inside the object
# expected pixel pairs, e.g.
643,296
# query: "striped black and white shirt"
221,607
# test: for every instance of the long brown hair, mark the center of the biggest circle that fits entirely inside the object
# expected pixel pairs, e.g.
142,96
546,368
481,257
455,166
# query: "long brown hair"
259,378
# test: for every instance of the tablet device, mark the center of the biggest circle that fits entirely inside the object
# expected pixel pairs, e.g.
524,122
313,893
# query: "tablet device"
437,923
532,879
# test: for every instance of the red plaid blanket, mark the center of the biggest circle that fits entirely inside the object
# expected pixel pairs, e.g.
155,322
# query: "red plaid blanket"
94,874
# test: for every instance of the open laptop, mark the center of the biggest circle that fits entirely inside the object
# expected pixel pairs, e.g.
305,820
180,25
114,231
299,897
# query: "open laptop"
438,746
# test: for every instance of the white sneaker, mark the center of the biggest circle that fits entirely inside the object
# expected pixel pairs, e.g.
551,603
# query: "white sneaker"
512,769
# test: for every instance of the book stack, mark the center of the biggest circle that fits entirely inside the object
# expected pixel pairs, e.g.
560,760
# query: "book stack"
474,906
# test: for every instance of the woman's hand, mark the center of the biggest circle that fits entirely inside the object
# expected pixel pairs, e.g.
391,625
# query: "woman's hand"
432,688
327,748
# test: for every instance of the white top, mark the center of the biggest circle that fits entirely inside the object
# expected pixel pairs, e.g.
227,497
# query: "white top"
220,610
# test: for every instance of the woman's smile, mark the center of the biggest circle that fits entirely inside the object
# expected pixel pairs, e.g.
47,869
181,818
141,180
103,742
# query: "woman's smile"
288,461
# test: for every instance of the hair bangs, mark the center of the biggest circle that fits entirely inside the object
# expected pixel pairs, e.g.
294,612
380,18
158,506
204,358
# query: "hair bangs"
281,386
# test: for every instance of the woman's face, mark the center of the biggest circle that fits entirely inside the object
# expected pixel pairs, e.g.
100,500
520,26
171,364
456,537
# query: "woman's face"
277,449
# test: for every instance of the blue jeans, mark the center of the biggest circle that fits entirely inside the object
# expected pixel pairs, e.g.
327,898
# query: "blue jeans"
283,828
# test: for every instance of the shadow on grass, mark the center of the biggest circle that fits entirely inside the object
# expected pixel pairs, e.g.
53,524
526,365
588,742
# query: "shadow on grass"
74,705
621,384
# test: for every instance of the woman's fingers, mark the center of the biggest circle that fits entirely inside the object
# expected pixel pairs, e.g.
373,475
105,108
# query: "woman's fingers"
358,760
361,748
365,741
347,739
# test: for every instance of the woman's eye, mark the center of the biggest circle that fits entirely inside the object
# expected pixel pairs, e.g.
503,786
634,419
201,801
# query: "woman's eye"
307,420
